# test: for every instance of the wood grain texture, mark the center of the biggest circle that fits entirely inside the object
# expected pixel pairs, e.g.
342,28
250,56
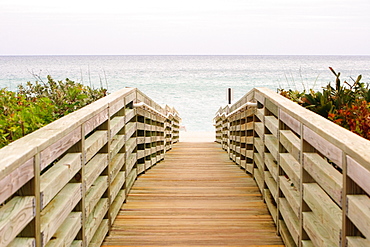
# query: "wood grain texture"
195,197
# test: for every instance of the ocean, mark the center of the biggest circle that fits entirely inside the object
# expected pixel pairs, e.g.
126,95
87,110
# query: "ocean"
195,85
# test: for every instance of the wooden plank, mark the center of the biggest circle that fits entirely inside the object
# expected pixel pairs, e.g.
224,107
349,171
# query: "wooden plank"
272,166
271,184
129,114
56,149
272,143
95,192
317,231
14,216
271,204
359,212
285,235
208,202
118,141
95,121
291,167
23,242
323,146
291,194
130,180
271,106
53,180
58,210
272,123
16,179
116,164
357,242
325,175
95,218
258,144
116,105
67,232
117,185
117,204
259,129
101,232
290,219
359,174
94,168
94,143
325,210
291,142
290,121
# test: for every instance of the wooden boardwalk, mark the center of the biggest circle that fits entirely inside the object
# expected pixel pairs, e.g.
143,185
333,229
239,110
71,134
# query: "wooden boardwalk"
195,197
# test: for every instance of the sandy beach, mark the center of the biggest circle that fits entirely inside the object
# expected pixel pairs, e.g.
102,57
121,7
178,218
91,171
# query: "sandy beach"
197,136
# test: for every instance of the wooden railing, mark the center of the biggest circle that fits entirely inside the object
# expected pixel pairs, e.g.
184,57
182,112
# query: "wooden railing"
314,175
65,183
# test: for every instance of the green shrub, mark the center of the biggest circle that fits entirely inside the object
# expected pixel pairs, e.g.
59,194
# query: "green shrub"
346,104
37,104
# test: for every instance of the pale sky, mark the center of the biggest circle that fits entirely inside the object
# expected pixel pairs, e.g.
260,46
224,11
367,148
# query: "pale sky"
191,27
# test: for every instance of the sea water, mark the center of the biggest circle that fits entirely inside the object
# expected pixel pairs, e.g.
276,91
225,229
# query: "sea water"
195,85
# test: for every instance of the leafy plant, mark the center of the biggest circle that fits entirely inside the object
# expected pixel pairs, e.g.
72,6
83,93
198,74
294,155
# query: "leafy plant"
38,104
346,104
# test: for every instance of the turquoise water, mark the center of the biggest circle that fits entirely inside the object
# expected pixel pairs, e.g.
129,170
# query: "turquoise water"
195,85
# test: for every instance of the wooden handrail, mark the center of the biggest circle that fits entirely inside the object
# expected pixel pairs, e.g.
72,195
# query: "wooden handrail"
314,174
65,183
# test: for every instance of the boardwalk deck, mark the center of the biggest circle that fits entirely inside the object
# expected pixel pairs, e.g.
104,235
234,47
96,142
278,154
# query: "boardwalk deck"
195,197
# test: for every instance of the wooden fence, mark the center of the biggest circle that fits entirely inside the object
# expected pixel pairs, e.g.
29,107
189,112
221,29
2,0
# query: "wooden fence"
314,175
64,184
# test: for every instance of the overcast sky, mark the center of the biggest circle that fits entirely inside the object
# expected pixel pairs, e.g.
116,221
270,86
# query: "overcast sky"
139,27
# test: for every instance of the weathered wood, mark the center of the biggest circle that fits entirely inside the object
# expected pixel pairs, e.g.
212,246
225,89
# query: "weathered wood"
271,184
271,204
291,194
291,142
358,173
67,232
118,141
16,179
325,175
101,232
58,210
285,235
359,212
95,192
325,210
117,203
290,219
357,242
272,143
291,167
95,218
325,147
95,121
209,201
59,147
23,242
95,142
272,123
271,164
94,168
317,231
291,122
117,185
57,177
14,216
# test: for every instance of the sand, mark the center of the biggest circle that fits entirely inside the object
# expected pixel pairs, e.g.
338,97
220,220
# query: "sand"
186,136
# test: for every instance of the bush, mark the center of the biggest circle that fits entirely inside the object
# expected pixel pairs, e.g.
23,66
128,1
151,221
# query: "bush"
37,104
345,104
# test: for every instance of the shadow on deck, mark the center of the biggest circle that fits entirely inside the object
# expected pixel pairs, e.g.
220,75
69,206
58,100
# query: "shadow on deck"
195,197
